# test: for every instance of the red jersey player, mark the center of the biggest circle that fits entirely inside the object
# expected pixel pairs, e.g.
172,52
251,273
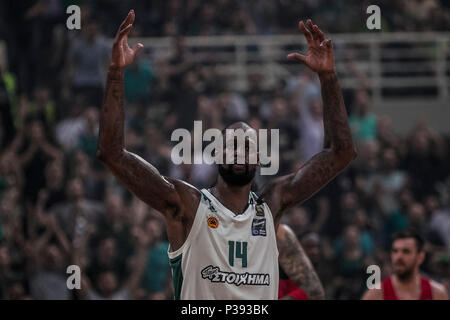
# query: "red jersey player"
406,283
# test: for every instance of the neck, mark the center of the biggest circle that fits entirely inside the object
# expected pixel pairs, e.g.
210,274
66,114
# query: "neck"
410,281
234,198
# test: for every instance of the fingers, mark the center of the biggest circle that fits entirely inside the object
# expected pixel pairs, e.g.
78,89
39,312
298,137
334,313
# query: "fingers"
311,32
137,48
327,43
128,20
124,32
306,32
126,25
318,33
296,56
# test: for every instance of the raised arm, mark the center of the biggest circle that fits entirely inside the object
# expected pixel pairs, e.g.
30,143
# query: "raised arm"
296,264
141,178
338,151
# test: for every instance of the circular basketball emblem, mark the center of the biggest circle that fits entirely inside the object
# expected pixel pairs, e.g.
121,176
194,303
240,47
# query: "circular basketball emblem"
213,222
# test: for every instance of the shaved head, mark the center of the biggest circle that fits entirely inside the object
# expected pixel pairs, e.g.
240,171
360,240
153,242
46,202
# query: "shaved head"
240,151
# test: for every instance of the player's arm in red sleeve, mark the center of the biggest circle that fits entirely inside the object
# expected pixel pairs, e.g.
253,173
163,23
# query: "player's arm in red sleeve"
338,151
297,266
175,199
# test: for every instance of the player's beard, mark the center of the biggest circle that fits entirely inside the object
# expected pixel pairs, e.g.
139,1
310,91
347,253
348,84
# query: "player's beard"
237,179
404,274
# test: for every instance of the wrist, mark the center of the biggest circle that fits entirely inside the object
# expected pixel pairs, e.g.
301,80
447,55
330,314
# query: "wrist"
326,75
115,72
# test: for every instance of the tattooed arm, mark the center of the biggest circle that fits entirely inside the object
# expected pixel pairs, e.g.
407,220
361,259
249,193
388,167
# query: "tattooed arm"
338,150
175,199
296,264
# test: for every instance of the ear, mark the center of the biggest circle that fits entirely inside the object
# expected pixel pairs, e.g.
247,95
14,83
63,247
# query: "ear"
421,257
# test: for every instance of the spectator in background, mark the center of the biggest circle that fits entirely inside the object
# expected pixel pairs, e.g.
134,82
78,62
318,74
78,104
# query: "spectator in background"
76,213
383,186
281,119
362,120
37,153
139,78
114,224
352,256
11,217
48,255
55,183
440,222
106,257
8,99
157,273
312,134
93,182
349,204
234,106
108,285
11,173
424,160
320,258
7,275
298,219
87,141
43,107
304,91
88,57
385,135
156,148
187,97
397,220
71,127
416,218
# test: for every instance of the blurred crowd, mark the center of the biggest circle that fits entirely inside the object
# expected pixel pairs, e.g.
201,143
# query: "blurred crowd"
59,206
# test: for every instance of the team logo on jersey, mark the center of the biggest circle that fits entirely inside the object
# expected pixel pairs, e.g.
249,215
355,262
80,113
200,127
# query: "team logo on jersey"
214,274
259,210
259,227
212,222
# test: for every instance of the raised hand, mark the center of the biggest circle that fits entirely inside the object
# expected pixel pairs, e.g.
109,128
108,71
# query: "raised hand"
122,54
320,57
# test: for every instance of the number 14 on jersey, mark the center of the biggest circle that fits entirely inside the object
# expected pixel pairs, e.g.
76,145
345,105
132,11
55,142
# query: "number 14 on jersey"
238,250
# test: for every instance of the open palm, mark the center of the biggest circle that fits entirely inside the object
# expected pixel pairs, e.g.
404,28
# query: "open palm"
122,54
320,57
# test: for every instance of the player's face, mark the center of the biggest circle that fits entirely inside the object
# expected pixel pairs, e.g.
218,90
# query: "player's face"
239,174
405,257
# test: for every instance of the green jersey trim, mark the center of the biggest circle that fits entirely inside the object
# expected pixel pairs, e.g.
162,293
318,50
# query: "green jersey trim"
177,275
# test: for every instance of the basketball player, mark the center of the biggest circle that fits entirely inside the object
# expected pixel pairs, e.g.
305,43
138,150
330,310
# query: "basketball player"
223,240
298,279
406,283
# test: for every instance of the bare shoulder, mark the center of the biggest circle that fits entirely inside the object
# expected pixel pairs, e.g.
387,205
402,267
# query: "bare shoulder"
373,294
438,290
284,231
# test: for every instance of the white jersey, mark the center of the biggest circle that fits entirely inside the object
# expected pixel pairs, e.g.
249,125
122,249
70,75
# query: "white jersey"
227,256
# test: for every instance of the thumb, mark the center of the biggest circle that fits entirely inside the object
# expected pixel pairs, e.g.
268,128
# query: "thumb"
327,43
296,56
137,48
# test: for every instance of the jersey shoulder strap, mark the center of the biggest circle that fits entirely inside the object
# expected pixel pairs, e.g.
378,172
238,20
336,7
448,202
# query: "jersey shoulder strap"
425,292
